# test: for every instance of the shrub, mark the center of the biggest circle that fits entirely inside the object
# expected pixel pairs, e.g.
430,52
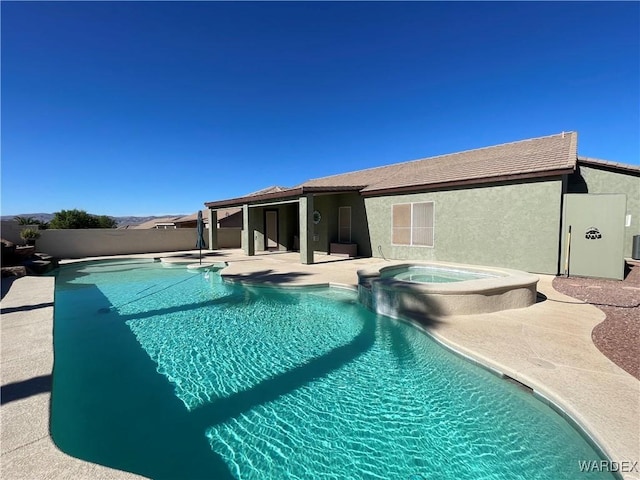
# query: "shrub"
29,234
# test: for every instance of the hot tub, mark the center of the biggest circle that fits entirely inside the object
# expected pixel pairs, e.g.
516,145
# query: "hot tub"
433,274
429,290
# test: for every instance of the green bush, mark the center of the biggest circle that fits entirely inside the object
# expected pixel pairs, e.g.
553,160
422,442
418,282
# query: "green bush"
80,219
29,234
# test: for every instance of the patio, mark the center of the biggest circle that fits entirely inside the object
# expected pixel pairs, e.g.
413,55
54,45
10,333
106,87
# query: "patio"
547,347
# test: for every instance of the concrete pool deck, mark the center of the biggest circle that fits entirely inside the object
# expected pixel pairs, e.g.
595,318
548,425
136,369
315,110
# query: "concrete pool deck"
546,346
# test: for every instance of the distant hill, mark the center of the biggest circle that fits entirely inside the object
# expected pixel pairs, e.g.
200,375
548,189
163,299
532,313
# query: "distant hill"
47,217
43,217
122,221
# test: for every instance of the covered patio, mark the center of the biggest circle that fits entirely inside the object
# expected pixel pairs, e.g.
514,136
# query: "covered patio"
304,219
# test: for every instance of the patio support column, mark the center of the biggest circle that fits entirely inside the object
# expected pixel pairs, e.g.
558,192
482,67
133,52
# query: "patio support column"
213,229
306,229
248,242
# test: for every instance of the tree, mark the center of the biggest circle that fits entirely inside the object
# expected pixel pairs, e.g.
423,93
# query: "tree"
26,220
106,222
80,219
31,221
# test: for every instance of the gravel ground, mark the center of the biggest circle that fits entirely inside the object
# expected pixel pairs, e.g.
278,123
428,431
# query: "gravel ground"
618,336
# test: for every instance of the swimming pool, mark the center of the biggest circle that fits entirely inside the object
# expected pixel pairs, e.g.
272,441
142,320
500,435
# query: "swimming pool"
174,374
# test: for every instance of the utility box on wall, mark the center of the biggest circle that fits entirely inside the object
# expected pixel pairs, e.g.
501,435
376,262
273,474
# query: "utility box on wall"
595,247
635,252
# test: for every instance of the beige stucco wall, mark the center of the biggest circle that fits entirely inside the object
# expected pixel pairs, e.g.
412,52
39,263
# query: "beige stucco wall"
512,225
229,237
10,230
73,246
603,181
96,242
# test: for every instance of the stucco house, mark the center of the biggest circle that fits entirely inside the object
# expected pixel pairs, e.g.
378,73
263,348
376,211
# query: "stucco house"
159,223
227,218
508,205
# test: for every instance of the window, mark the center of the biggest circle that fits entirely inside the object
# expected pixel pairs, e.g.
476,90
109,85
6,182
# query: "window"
412,224
344,225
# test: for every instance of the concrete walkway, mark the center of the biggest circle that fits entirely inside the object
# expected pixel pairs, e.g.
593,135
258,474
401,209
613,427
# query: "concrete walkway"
546,346
26,364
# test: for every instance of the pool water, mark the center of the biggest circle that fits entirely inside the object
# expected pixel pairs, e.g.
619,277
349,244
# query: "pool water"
172,374
428,274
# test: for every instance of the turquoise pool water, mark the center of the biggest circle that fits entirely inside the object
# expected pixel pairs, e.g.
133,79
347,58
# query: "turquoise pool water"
173,374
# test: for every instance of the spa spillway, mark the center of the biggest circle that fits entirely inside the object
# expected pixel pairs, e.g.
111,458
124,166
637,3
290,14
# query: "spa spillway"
419,290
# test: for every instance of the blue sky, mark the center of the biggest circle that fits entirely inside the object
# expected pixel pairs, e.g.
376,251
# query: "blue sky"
145,108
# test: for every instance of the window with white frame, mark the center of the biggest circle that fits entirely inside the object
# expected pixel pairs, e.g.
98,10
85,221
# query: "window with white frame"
412,224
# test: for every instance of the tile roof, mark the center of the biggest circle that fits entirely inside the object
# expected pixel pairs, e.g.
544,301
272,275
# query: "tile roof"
205,218
596,162
152,223
189,218
263,194
536,157
532,157
227,212
264,191
286,194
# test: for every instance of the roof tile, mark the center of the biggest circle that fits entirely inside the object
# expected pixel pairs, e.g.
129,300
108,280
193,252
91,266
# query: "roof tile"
544,154
596,162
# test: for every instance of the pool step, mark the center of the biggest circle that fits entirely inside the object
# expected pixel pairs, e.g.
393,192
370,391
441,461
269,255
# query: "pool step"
38,266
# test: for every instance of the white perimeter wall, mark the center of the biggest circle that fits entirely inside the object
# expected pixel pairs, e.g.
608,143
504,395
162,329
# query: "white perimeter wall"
97,242
11,231
228,237
91,242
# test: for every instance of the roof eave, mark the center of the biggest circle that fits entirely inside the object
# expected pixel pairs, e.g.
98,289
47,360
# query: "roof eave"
469,182
283,195
608,165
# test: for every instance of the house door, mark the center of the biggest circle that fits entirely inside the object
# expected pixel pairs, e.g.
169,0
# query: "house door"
596,245
271,229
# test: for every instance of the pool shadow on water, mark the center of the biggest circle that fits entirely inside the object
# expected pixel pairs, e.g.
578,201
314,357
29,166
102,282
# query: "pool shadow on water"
268,390
238,296
399,342
68,276
266,277
110,405
425,316
411,305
